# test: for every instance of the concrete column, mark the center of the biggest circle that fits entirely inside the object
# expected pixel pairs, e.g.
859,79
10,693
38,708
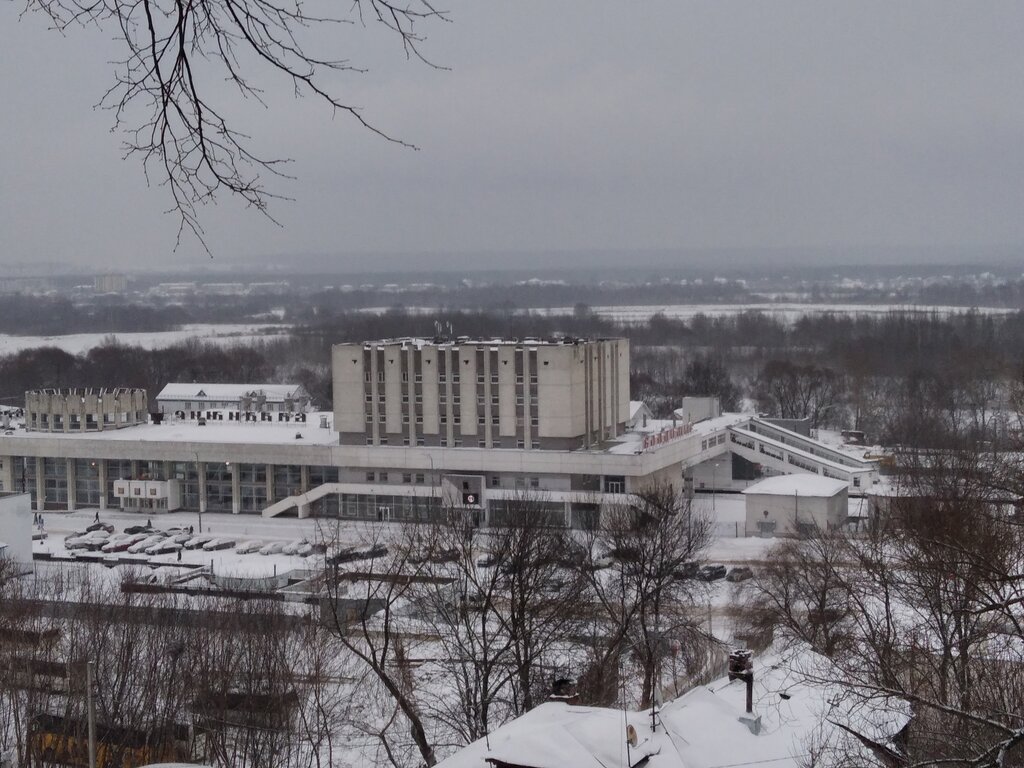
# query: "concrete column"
101,466
568,515
236,489
134,470
270,484
201,479
40,486
303,511
304,478
70,477
168,468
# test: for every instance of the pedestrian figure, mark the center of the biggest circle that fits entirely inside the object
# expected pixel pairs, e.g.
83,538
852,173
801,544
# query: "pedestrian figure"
97,519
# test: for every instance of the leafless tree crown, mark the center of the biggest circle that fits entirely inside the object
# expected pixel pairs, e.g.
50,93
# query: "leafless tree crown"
175,49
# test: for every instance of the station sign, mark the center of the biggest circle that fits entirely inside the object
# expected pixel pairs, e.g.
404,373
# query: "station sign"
666,436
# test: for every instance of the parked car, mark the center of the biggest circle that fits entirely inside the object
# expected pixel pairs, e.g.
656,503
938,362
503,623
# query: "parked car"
123,541
38,535
141,546
292,547
165,547
248,547
690,570
197,542
100,527
138,529
181,538
354,554
87,540
304,550
711,573
215,545
740,573
272,548
488,560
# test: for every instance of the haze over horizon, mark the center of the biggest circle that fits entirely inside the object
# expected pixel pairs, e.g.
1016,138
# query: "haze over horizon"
836,131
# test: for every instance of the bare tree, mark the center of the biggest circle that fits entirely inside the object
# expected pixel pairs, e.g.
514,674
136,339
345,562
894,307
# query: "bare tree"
175,49
646,597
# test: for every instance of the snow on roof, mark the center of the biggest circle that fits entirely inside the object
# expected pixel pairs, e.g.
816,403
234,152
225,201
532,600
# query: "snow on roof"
700,729
555,735
200,391
635,407
800,484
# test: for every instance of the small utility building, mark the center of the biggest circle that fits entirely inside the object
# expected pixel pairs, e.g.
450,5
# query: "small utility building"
789,505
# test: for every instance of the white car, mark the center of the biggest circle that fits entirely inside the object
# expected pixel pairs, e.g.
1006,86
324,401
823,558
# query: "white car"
273,548
146,543
214,545
304,550
181,538
93,539
122,544
248,547
165,547
292,547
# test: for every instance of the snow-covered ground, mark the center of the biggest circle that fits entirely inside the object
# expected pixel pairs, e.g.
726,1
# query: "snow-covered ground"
76,343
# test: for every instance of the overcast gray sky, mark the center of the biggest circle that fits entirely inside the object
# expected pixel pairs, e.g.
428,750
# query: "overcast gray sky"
568,124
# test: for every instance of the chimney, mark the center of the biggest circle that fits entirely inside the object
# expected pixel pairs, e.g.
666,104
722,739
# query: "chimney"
741,667
564,689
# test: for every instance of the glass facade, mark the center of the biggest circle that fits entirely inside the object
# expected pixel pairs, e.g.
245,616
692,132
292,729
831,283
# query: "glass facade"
87,483
385,507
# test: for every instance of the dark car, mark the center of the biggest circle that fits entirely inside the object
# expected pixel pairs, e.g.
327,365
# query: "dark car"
740,573
354,554
138,529
711,573
685,571
100,527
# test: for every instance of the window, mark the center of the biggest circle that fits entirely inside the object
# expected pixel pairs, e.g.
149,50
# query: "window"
535,482
383,441
383,477
520,400
520,444
456,400
380,418
495,481
444,441
419,418
405,418
369,418
481,421
405,441
479,378
458,443
456,420
494,378
419,398
369,397
520,483
407,477
369,477
366,377
535,444
418,378
420,478
455,378
534,422
481,443
533,378
380,376
369,440
405,375
420,441
405,398
519,378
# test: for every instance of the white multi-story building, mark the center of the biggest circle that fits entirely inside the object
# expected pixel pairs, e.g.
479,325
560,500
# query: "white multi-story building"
420,425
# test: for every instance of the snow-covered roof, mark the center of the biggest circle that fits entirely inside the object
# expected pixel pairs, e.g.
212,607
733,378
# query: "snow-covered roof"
800,484
218,392
556,735
700,729
635,406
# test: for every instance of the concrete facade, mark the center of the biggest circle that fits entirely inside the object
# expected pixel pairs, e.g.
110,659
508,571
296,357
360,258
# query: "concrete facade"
531,395
84,410
792,505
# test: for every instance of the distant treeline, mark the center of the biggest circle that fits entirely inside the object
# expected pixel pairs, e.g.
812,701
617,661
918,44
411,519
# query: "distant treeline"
864,372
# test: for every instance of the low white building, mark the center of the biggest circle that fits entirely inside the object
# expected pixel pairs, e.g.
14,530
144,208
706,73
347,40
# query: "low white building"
16,529
789,505
186,400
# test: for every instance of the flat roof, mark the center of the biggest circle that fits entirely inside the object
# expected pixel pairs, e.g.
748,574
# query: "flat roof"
801,484
559,341
201,391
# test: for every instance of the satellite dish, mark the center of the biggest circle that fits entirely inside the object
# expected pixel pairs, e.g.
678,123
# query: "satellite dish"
631,735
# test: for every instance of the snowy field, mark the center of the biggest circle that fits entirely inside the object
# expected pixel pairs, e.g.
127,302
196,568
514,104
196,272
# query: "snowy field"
76,343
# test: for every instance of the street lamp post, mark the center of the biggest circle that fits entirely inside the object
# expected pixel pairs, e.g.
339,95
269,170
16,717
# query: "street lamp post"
714,484
199,493
90,712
